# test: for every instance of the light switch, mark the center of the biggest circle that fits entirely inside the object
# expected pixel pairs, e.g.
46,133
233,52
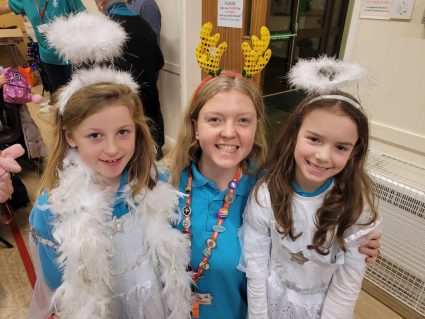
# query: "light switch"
402,9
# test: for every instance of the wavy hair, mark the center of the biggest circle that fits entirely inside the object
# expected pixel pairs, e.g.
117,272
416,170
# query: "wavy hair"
187,149
353,188
88,101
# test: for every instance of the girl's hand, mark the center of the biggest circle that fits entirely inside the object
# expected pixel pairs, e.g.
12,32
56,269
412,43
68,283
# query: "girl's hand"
371,248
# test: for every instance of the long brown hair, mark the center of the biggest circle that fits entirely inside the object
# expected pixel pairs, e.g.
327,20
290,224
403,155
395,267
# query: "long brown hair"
187,149
345,202
88,101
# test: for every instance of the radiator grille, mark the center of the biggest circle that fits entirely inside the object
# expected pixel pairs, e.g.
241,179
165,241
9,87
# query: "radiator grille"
399,270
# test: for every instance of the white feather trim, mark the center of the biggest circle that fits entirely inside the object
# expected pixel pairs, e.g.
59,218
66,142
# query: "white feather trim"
324,75
86,37
83,212
85,77
169,250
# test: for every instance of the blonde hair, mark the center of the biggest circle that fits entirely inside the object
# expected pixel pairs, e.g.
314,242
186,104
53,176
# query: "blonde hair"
88,101
187,149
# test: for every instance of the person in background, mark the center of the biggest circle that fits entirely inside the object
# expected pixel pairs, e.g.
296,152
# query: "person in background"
143,58
148,10
40,13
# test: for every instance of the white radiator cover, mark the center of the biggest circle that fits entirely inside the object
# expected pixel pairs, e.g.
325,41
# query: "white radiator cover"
400,267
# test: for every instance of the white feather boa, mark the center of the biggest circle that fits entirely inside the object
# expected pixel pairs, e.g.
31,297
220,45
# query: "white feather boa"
83,213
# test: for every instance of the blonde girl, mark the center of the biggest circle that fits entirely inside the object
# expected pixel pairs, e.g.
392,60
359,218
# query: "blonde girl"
102,224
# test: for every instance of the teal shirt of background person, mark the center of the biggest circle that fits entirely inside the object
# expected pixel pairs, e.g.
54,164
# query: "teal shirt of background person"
54,8
41,221
223,281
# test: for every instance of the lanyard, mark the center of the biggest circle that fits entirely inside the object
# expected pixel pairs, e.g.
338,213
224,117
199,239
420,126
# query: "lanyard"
218,228
43,11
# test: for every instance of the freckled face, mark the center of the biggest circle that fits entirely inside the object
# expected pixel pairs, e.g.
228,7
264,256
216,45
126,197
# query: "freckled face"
105,141
325,143
225,129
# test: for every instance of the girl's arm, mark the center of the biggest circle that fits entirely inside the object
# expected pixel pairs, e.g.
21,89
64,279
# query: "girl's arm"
344,289
41,220
346,283
256,243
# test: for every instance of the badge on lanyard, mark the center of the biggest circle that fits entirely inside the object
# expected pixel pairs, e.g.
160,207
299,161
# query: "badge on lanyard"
199,299
42,28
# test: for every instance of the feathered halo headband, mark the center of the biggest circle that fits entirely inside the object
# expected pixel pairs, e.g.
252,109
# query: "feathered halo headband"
325,76
92,39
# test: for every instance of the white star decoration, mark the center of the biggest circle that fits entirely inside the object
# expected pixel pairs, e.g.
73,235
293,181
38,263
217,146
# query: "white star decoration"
213,52
299,257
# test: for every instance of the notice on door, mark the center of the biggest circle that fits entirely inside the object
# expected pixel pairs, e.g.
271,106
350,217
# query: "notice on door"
230,13
376,9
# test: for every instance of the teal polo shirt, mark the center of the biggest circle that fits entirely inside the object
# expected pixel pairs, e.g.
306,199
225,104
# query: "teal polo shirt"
54,8
222,280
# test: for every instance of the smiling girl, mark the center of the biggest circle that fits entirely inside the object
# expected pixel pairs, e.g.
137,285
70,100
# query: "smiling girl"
307,218
102,225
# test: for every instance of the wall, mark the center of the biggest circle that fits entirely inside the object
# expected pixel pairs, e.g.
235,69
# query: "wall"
393,52
181,20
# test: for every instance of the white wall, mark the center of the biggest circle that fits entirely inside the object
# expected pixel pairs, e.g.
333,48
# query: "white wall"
393,52
181,20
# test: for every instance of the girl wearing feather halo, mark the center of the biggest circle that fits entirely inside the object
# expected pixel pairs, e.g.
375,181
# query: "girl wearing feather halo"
307,218
102,236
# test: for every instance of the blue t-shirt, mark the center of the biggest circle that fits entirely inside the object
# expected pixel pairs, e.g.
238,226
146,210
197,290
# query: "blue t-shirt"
41,221
225,283
54,8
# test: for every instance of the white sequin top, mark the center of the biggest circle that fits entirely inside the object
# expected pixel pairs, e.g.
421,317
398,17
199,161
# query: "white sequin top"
288,281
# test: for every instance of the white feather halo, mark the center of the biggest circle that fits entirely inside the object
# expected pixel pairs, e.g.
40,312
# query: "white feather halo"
86,37
324,75
84,77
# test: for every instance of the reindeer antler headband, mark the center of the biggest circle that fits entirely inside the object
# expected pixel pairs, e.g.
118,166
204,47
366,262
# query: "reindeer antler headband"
88,38
325,76
208,54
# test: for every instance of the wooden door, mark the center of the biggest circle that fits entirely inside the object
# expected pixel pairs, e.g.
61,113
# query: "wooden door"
255,14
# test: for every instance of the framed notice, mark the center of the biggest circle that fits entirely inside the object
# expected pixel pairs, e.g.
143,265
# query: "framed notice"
230,13
376,9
